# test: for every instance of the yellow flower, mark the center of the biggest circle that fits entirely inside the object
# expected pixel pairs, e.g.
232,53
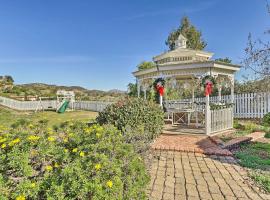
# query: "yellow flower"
3,146
3,140
87,130
109,184
49,168
21,197
33,138
50,131
30,126
56,165
65,150
33,185
99,129
51,139
98,166
65,140
75,150
13,142
82,154
71,134
98,135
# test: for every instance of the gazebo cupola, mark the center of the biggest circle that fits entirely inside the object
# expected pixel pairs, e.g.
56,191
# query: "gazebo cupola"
181,54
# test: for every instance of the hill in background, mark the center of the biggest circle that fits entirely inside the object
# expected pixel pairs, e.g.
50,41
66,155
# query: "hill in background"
46,90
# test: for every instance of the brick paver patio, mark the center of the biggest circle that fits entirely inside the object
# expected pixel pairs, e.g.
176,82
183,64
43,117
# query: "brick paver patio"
186,176
189,143
186,167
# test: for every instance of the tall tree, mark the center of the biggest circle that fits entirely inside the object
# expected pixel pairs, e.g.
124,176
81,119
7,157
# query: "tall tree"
194,36
257,54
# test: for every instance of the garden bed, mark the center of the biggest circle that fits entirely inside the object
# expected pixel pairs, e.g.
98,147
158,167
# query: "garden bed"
256,158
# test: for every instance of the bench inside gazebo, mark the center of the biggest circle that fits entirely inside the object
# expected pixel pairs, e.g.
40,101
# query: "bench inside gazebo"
193,68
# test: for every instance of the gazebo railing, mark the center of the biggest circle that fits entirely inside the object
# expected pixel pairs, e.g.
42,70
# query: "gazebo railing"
215,119
221,119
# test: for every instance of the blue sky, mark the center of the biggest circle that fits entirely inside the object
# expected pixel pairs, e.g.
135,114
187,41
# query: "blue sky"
97,44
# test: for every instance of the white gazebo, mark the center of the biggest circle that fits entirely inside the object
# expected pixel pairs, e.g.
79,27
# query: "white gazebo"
191,66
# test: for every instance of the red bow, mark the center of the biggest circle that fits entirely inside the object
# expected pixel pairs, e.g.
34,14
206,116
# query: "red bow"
208,88
160,90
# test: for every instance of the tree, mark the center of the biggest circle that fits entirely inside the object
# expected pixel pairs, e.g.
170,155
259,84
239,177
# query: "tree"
224,60
257,54
9,79
146,65
132,89
194,37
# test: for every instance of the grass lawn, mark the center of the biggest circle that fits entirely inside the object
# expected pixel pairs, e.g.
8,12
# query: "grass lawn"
8,116
256,156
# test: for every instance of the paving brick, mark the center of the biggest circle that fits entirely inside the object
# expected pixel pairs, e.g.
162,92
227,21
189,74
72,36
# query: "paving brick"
198,177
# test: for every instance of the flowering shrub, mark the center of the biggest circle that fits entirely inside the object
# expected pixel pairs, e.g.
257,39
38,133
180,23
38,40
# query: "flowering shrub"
140,121
72,162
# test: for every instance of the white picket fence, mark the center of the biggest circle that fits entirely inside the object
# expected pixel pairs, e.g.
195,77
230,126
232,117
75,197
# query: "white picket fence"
51,104
221,119
246,106
25,105
91,105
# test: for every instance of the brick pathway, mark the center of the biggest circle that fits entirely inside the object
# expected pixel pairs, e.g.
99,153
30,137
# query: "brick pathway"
189,143
186,176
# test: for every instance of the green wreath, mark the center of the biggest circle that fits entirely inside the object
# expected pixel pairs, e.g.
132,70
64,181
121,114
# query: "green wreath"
159,80
208,78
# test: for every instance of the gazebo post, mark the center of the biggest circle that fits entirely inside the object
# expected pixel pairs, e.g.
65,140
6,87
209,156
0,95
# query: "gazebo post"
161,100
232,89
219,92
138,88
144,92
207,116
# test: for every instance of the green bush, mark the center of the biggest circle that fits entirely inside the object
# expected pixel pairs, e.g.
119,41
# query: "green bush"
73,162
266,119
251,127
237,125
267,135
140,121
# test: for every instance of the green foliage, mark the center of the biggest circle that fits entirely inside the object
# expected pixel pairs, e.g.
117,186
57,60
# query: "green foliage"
44,90
266,119
132,89
255,156
251,86
218,107
146,65
267,135
194,37
224,60
251,127
237,125
73,162
140,121
262,179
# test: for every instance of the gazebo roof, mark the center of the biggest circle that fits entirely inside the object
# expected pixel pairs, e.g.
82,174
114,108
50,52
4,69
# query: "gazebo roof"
190,68
183,62
182,55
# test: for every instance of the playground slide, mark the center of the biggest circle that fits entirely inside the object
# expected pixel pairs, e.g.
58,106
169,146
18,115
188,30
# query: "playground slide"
63,107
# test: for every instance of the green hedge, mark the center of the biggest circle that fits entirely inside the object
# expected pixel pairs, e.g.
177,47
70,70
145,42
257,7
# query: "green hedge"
72,162
140,121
